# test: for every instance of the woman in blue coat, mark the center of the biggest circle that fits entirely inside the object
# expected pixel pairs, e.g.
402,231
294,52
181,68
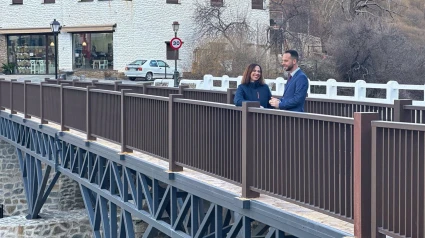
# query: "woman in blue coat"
253,87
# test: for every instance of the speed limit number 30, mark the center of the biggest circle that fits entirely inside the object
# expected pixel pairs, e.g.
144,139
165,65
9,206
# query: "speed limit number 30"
176,43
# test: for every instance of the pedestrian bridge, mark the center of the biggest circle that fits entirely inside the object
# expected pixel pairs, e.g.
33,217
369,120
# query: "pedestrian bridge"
190,165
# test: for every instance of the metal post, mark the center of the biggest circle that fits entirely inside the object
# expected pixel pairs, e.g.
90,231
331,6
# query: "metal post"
172,129
401,115
42,120
26,99
1,82
176,73
56,55
362,173
89,115
230,95
182,88
124,148
247,150
11,96
62,109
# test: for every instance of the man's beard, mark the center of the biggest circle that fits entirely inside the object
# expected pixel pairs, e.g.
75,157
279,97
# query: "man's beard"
289,68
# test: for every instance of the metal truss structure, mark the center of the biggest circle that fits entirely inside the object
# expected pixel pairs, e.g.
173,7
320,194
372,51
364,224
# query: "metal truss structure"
119,189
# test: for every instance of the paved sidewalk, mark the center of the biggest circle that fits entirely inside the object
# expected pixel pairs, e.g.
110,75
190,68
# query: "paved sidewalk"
40,78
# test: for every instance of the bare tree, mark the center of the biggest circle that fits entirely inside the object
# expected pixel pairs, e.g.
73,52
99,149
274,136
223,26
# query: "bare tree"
215,22
375,51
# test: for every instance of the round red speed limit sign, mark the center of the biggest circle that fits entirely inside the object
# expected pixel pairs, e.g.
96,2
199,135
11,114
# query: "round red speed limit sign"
176,43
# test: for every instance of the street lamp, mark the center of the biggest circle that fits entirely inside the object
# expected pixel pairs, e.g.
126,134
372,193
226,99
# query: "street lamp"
55,26
176,73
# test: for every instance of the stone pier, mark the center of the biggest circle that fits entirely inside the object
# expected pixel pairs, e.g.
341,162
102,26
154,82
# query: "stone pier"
63,214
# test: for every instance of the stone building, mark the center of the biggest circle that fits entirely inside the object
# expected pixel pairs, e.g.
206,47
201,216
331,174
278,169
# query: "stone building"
103,34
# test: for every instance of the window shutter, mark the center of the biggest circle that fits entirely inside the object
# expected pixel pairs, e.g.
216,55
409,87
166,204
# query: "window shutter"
216,3
257,4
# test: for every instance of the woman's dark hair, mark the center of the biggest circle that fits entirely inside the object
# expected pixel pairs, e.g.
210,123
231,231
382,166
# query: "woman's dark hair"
246,78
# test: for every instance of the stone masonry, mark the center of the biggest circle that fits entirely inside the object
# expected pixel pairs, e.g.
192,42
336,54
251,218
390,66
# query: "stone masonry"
58,224
63,214
3,50
65,195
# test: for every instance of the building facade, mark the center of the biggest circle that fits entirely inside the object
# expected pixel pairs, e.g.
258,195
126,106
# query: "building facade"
104,34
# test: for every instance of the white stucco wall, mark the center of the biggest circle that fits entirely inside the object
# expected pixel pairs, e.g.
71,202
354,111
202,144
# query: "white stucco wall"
142,25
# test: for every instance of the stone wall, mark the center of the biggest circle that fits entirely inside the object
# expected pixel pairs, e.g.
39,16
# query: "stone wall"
12,193
63,214
98,74
72,224
3,50
65,195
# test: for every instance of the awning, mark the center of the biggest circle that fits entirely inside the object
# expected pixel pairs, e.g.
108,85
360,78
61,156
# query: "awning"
11,31
93,28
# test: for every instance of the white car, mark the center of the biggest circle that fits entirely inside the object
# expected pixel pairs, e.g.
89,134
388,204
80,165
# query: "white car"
148,69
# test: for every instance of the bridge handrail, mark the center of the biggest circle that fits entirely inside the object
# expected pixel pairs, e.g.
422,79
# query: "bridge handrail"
313,116
349,141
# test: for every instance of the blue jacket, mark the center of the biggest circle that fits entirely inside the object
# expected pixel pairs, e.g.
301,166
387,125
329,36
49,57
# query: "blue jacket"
295,93
253,92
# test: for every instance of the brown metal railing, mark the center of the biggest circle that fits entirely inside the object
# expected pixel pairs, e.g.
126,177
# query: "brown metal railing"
347,108
33,99
17,98
306,158
51,102
5,93
331,164
205,95
81,84
146,120
104,86
416,114
105,114
74,108
209,141
161,91
343,108
398,192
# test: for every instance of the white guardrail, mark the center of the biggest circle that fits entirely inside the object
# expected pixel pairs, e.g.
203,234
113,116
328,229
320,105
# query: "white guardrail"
277,86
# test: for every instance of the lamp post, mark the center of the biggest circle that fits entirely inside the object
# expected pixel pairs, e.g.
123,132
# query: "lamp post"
55,26
176,73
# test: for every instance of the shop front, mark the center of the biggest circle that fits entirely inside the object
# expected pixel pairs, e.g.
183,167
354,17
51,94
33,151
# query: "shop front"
31,53
92,46
93,50
29,50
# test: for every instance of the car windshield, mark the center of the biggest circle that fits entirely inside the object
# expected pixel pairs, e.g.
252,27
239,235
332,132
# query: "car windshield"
138,62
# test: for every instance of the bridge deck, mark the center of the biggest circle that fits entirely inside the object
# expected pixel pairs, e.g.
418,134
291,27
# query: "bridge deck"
285,206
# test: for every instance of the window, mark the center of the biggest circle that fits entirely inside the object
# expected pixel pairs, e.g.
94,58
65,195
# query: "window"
153,63
93,50
216,3
31,54
257,4
173,1
171,53
49,1
17,1
162,63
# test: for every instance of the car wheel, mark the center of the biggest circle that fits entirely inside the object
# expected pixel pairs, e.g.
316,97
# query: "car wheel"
132,78
149,76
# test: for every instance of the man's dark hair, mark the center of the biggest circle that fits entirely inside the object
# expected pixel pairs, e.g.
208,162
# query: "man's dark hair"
293,53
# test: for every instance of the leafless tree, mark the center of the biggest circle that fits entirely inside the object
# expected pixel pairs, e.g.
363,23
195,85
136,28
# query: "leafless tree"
375,51
216,22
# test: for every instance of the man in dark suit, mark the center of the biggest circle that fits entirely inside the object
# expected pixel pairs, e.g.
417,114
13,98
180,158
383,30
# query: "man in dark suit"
296,86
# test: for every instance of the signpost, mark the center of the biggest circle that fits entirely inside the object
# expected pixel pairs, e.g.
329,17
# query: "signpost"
176,43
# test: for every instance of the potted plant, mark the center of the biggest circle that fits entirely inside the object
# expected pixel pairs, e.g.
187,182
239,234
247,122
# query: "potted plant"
8,68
